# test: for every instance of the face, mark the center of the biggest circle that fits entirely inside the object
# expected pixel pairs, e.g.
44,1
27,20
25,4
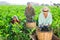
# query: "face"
14,18
45,11
29,5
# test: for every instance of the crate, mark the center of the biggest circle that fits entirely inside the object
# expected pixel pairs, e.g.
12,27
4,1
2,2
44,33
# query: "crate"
44,35
31,24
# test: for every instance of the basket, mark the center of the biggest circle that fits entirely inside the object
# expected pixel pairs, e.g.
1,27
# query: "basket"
31,24
44,35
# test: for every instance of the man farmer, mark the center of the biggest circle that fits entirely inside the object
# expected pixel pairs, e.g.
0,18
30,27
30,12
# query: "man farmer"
45,18
29,12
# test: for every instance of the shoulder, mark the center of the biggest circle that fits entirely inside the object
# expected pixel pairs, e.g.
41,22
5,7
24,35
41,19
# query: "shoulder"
41,14
50,14
32,8
25,8
12,21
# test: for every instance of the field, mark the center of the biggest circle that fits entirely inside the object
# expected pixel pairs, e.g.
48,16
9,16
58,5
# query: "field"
9,31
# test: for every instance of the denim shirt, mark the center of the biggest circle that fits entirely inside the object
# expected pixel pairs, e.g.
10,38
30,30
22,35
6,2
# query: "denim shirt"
45,21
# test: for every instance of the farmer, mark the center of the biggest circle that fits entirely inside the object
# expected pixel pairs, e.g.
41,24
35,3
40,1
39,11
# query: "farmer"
29,12
45,18
14,20
12,33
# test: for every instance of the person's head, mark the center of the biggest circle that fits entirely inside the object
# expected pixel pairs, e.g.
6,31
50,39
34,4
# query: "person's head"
29,5
45,11
14,18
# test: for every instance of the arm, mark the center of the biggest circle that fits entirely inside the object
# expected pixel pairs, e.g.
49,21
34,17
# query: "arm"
12,21
50,19
33,12
40,20
25,12
18,21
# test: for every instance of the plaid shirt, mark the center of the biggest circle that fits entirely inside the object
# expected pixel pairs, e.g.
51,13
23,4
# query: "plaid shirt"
29,12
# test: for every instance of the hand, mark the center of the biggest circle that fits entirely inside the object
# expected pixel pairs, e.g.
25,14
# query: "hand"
32,16
48,25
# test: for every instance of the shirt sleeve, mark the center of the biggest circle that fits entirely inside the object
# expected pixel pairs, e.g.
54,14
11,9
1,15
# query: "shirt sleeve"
33,12
25,12
40,20
50,19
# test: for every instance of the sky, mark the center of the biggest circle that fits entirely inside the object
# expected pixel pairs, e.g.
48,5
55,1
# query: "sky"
19,2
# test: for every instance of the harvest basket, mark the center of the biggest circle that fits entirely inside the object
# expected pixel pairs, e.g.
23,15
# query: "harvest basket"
44,35
31,24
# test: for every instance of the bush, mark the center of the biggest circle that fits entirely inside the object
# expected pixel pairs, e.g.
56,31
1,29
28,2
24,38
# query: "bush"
7,30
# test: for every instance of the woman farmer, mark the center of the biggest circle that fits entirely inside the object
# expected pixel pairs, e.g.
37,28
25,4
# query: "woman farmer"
14,20
29,12
12,33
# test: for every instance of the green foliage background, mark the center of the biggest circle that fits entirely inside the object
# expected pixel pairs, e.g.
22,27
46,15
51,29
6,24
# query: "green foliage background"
6,13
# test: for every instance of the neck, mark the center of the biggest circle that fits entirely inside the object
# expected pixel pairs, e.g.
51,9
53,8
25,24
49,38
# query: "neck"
29,7
46,15
14,20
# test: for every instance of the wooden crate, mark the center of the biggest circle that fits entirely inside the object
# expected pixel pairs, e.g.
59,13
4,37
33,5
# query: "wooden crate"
31,24
44,35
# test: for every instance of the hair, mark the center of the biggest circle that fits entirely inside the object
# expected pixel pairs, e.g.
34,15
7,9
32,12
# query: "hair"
28,3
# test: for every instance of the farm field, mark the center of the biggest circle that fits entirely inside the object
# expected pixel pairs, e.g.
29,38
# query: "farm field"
9,31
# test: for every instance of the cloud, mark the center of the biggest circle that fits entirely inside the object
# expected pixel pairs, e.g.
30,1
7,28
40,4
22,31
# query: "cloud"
36,1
